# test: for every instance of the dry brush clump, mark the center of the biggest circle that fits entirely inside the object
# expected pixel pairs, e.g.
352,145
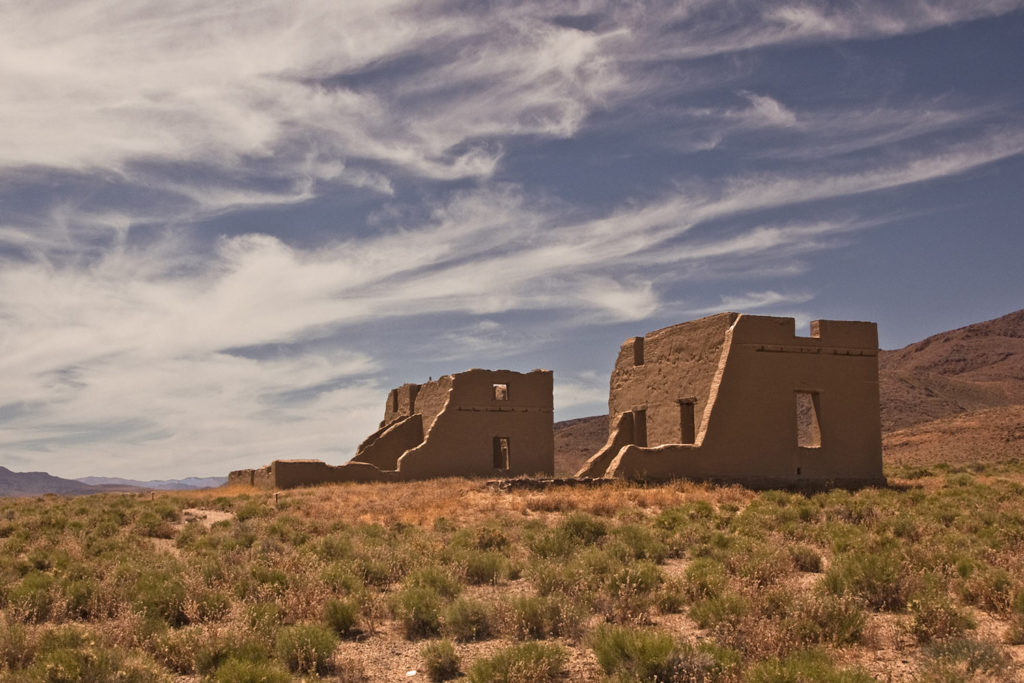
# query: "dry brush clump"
678,582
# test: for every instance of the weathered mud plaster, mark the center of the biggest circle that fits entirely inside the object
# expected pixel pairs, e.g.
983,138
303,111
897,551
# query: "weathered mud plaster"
474,423
741,398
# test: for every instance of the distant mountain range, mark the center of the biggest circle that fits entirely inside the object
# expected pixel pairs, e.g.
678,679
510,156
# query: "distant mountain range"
186,484
38,483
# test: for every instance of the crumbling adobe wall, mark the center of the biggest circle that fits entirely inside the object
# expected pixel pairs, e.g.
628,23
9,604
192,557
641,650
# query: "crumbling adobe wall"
461,440
675,363
383,448
444,428
748,429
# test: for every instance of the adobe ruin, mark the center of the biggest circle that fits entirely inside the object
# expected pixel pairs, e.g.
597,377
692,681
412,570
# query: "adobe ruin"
473,423
741,398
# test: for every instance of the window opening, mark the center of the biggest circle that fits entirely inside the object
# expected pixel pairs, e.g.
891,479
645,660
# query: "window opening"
640,427
500,392
808,419
687,424
394,400
501,452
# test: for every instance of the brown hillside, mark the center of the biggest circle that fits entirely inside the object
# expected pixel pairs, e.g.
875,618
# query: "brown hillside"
970,368
955,397
577,440
980,436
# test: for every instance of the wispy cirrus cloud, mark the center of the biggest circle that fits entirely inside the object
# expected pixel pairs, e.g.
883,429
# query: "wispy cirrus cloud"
214,218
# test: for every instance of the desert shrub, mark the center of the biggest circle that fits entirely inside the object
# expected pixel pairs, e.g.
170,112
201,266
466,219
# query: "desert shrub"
674,518
216,649
32,598
152,525
306,648
523,663
252,509
805,665
935,617
961,659
828,619
539,617
440,660
991,590
490,538
631,654
244,671
159,594
723,609
672,597
262,619
1015,634
466,620
342,616
485,566
72,655
17,646
764,567
436,579
878,578
632,591
640,543
806,558
418,608
705,578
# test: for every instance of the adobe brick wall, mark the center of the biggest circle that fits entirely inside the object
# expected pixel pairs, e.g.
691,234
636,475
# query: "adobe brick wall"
744,390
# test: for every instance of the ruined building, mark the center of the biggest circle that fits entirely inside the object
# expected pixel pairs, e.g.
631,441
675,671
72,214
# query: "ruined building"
474,423
741,398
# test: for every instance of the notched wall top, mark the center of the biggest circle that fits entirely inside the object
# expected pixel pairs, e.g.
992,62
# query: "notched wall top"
743,398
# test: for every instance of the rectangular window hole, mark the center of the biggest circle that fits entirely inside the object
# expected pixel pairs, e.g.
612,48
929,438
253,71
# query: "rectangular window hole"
501,452
808,419
500,392
687,422
640,427
638,350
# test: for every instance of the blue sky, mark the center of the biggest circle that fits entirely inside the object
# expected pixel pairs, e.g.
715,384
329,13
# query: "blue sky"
227,229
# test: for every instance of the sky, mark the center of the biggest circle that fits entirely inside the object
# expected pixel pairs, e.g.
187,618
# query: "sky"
227,229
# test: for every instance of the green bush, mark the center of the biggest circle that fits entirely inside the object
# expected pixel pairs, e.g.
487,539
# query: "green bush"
828,619
418,608
805,665
536,617
705,578
440,660
17,647
724,609
466,620
934,617
159,594
70,655
961,659
632,654
32,598
342,616
483,567
243,671
436,579
806,558
306,648
878,578
523,663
